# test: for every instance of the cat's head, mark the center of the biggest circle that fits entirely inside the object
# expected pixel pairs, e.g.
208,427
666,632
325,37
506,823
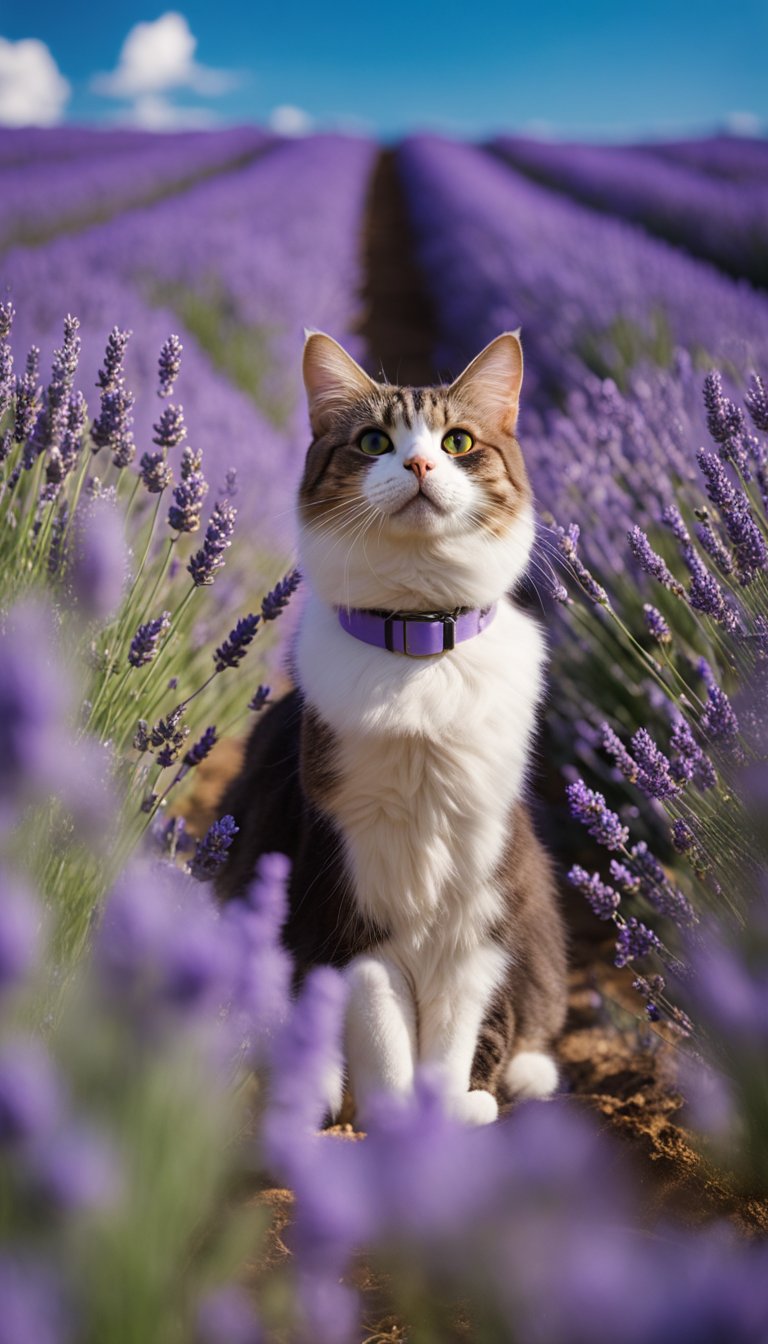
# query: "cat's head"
414,498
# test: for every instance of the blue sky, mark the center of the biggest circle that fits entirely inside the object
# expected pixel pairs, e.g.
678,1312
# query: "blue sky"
597,69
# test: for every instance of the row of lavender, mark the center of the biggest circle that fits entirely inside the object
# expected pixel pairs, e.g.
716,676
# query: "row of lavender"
723,221
590,292
238,265
40,197
140,1098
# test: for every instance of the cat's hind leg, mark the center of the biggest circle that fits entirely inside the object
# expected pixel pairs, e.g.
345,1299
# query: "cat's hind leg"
380,1031
531,1074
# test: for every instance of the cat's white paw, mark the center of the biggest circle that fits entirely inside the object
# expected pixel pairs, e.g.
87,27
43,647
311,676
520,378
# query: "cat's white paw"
473,1108
531,1073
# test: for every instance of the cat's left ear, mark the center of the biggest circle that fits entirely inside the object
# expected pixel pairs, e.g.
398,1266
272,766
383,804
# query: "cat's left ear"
332,379
494,377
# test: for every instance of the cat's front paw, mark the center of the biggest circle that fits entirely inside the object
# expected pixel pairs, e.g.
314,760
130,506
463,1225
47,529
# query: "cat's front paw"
473,1108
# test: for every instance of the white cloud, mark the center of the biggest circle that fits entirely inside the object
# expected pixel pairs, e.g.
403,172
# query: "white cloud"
33,91
288,120
159,56
743,123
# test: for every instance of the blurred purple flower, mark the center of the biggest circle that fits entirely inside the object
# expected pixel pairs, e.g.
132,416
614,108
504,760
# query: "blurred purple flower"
20,931
157,946
98,562
227,1316
76,1169
31,1306
30,1091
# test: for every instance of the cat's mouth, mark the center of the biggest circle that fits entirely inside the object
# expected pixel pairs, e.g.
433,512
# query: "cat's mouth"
419,503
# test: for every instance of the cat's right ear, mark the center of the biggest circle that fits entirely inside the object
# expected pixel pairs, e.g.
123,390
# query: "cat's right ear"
332,379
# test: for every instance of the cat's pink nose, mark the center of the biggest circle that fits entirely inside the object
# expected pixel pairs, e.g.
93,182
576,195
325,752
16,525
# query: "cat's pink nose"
418,465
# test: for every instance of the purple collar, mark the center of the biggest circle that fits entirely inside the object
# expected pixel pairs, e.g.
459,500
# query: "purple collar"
416,633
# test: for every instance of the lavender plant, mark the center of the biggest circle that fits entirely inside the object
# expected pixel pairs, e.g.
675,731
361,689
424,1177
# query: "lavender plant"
113,558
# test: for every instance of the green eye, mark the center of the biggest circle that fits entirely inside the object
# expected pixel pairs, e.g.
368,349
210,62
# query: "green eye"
458,442
375,443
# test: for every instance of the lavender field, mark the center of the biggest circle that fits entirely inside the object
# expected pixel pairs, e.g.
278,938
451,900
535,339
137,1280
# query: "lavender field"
163,1170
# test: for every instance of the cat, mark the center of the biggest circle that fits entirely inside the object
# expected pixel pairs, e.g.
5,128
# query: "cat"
394,775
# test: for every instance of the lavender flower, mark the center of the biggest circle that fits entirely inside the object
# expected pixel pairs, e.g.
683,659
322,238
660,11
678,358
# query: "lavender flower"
567,545
155,472
719,722
726,422
602,898
691,763
613,744
634,940
170,429
51,417
169,364
750,552
235,646
654,774
629,882
712,544
145,642
201,748
646,989
656,624
30,1092
112,427
184,513
211,852
683,838
229,488
655,886
590,808
277,600
110,376
218,538
651,562
168,736
7,314
141,736
260,699
705,593
672,516
756,401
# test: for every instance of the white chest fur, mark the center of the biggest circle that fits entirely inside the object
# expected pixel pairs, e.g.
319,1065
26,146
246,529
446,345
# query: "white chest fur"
431,757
